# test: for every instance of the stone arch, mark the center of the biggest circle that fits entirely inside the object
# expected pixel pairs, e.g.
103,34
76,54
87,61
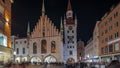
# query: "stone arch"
70,60
35,59
24,59
17,60
50,58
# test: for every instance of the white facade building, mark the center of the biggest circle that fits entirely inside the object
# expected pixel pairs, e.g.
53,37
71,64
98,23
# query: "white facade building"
70,36
20,46
92,48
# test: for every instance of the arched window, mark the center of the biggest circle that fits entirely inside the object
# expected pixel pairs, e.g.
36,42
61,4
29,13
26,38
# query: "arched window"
53,47
34,48
43,46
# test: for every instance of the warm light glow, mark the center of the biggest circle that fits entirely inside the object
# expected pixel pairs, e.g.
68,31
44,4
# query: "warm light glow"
7,20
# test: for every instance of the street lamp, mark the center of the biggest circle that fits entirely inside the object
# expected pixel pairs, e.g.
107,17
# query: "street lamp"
14,54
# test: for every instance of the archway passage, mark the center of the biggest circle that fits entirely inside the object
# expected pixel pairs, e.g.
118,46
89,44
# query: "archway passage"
70,60
35,60
50,59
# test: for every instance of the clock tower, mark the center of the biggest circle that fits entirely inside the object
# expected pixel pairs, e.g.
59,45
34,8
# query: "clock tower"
70,32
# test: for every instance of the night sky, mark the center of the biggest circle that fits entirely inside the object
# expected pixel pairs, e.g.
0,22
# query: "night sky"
87,11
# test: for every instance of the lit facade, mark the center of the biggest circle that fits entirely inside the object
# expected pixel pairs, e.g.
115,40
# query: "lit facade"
109,35
70,36
5,30
89,51
92,47
44,44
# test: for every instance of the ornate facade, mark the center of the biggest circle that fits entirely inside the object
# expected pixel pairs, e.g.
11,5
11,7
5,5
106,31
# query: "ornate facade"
70,33
44,42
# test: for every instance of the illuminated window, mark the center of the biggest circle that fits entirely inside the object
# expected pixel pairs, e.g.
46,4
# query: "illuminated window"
116,46
53,47
3,40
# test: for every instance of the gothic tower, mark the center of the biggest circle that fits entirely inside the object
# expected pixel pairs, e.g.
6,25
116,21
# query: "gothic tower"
70,32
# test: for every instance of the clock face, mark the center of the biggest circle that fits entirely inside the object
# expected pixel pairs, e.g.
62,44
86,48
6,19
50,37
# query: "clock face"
70,27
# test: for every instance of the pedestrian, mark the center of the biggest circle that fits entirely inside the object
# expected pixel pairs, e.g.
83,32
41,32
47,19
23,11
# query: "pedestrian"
114,64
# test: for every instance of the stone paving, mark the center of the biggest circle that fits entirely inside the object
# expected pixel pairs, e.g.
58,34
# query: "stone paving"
36,66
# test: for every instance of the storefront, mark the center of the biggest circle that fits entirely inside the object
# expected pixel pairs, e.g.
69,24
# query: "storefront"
106,59
117,57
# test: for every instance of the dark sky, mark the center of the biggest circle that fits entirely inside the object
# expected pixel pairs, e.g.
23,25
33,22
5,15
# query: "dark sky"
87,11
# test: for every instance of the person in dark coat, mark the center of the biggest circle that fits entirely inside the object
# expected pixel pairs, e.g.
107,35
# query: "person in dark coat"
114,64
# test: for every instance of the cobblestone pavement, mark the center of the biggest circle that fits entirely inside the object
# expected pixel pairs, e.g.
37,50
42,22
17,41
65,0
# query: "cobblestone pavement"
37,66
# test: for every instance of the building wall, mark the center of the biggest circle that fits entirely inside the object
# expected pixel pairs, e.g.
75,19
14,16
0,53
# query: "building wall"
17,45
109,35
80,50
5,31
89,50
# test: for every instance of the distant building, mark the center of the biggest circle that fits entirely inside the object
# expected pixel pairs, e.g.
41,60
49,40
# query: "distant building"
44,44
109,35
5,31
70,36
80,50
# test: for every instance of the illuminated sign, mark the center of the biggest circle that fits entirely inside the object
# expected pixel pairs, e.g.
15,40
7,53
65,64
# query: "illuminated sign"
3,40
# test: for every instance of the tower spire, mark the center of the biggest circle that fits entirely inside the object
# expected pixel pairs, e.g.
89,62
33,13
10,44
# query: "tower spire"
61,25
69,6
28,30
43,9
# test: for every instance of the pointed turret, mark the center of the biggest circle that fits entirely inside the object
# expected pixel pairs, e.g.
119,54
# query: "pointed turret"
61,29
69,13
69,6
61,25
28,30
43,9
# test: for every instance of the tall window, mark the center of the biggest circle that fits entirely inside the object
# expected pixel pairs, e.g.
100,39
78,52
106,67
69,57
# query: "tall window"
70,52
23,50
116,35
17,50
43,46
53,47
116,46
110,48
34,48
116,24
102,50
106,49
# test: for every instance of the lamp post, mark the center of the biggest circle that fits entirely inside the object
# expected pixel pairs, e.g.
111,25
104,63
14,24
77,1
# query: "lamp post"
14,55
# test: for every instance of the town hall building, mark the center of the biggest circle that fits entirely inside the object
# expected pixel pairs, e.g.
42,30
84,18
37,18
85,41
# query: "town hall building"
45,42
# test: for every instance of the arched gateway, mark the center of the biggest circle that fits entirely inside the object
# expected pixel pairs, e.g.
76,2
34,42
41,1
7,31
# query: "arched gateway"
70,60
50,59
35,60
